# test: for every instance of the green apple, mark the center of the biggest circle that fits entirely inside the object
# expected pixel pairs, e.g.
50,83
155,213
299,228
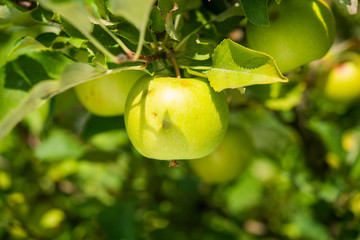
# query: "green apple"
228,160
343,82
300,31
168,118
106,96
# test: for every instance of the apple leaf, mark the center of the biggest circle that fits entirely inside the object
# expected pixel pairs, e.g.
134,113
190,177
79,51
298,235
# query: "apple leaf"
16,25
256,11
45,65
72,75
57,146
250,190
171,22
10,16
330,134
290,100
76,14
136,12
73,12
196,73
350,5
198,50
158,20
170,27
236,66
230,12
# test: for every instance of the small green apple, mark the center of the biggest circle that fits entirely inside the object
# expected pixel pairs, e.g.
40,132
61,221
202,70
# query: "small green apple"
168,118
228,160
106,96
343,82
300,31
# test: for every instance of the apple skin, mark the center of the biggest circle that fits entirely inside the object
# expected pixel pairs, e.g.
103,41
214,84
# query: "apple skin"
300,31
228,160
106,96
168,118
343,82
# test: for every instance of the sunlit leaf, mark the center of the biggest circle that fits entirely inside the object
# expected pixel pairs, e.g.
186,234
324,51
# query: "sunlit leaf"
235,66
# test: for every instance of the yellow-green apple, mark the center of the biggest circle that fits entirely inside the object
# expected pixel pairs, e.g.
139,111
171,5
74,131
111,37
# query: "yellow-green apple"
300,31
106,96
169,118
228,160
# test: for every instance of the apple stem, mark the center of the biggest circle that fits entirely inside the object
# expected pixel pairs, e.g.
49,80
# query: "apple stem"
175,64
173,163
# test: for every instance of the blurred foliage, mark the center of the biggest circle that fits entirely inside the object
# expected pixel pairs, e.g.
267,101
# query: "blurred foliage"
67,174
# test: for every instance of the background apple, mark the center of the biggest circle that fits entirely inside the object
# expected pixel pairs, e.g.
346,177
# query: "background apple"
106,96
343,81
228,160
169,118
299,32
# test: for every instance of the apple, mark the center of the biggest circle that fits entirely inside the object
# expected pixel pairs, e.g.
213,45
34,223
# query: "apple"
106,96
343,82
228,160
169,118
300,31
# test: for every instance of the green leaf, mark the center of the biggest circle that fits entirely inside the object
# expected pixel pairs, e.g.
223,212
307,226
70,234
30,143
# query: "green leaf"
330,134
29,69
40,14
286,103
127,31
57,146
350,5
73,12
14,26
46,39
76,14
165,6
10,16
118,221
23,104
198,50
136,12
244,194
309,227
158,20
196,73
72,75
25,46
171,22
228,13
256,11
270,135
96,125
236,66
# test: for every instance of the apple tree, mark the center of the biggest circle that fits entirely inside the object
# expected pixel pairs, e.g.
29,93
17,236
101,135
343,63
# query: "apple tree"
254,104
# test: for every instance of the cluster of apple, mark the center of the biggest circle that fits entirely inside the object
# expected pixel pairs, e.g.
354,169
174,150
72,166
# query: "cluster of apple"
169,118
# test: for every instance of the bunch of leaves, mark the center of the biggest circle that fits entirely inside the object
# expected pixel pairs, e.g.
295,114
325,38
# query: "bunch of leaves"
56,45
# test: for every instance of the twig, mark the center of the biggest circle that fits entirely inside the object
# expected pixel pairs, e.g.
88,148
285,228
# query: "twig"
123,58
